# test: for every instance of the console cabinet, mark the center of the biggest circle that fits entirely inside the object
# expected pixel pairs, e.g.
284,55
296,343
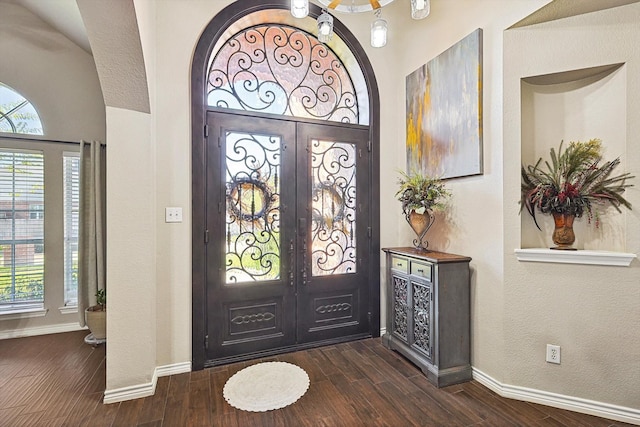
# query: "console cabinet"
428,313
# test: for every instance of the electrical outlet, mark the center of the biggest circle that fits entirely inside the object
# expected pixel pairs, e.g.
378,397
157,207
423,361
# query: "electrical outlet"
553,353
172,214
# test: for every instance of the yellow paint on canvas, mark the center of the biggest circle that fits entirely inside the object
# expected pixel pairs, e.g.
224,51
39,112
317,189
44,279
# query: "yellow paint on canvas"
413,142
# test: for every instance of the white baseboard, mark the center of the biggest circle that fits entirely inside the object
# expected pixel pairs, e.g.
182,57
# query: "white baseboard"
576,404
176,368
147,389
40,330
131,392
383,331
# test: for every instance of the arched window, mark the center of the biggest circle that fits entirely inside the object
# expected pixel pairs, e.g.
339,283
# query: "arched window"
283,69
17,114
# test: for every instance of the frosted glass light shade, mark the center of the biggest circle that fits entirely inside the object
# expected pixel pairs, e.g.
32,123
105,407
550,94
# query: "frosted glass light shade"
379,33
420,8
325,27
299,8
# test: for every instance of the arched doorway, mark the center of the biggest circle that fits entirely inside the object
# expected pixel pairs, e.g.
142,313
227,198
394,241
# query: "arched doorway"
285,187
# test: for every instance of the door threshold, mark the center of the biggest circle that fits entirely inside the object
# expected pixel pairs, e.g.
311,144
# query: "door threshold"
282,350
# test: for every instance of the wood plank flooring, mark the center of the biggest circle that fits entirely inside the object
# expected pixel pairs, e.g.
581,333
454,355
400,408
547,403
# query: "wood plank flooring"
57,380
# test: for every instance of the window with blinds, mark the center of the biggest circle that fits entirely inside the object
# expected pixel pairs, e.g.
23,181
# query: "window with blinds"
21,229
71,202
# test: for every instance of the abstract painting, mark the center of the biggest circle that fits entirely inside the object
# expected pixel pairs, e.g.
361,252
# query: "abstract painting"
444,112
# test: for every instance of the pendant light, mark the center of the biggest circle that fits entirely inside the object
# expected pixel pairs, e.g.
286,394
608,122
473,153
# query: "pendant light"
378,31
299,8
325,27
420,9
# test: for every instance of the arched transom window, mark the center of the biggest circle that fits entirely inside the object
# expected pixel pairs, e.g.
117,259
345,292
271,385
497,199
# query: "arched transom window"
281,69
17,114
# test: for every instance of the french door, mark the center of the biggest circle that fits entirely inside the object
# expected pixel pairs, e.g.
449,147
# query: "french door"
288,235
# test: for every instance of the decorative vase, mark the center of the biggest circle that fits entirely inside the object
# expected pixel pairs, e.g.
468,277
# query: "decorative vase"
563,234
96,321
420,223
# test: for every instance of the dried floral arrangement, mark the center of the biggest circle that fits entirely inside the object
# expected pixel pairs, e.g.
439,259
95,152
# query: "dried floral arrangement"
573,182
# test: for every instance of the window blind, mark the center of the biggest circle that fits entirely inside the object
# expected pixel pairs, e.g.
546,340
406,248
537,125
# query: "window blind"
71,203
21,228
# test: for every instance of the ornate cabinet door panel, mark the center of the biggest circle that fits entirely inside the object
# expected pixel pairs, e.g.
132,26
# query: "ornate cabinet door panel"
400,307
422,317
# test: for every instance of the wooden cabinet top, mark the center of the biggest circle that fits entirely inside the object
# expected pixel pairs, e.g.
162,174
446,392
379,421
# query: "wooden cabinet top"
431,256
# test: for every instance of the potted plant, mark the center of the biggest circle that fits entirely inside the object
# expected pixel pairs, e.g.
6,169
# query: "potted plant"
96,316
573,183
420,195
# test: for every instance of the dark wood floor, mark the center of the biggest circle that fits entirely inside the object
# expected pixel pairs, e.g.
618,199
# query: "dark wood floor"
57,380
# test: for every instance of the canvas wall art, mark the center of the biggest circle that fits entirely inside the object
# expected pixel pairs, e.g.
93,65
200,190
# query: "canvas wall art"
444,112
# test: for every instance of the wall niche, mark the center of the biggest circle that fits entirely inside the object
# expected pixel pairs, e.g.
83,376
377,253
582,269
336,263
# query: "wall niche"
576,105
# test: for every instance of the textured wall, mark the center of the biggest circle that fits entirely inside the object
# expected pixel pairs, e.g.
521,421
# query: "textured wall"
591,311
113,32
57,76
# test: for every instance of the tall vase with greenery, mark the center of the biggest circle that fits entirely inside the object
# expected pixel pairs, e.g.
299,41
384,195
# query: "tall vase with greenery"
420,195
573,183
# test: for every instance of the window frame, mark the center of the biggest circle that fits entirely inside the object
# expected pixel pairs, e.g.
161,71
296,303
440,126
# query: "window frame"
53,223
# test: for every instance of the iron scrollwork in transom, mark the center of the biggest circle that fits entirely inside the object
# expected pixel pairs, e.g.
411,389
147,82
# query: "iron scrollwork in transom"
281,70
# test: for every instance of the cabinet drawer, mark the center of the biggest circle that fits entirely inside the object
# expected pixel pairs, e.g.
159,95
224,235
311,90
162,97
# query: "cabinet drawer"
421,269
401,264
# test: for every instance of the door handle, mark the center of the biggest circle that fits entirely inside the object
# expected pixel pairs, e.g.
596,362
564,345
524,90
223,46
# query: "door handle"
304,261
291,261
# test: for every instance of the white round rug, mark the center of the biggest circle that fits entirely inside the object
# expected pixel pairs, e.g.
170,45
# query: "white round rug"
266,386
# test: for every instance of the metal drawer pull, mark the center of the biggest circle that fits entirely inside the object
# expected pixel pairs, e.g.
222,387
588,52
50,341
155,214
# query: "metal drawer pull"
399,264
420,270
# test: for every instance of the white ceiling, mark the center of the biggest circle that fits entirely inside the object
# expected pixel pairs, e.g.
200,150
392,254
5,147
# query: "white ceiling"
63,15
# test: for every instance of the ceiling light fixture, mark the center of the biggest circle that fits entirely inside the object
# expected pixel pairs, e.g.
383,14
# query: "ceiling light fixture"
299,8
378,30
325,27
420,9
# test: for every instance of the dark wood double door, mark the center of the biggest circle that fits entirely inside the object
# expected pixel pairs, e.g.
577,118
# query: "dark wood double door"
288,235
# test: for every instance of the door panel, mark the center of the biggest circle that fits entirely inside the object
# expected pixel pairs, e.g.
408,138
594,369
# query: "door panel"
288,247
333,292
250,295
